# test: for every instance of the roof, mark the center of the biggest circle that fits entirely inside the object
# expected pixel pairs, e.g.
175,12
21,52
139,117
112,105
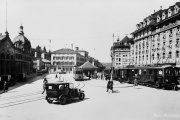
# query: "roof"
65,51
88,66
57,83
21,37
2,37
125,39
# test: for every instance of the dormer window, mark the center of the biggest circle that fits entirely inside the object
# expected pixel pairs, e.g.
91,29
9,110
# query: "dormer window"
169,12
176,9
163,16
144,23
137,26
158,18
148,21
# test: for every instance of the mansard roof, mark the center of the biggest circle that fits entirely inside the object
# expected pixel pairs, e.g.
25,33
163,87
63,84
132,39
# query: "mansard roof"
65,51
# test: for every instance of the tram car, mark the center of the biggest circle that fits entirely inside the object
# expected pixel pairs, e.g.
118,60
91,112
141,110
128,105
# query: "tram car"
160,77
79,75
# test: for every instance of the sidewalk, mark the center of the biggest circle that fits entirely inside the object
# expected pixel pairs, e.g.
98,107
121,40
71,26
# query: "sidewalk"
31,75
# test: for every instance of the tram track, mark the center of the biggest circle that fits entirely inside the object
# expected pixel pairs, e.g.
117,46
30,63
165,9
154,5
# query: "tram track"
19,96
8,104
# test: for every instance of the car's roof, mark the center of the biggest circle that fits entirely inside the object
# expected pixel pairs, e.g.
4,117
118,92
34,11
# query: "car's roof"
58,83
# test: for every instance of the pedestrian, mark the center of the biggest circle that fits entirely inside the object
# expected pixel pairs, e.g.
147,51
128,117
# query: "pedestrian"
56,76
59,76
135,80
111,85
108,85
44,85
5,86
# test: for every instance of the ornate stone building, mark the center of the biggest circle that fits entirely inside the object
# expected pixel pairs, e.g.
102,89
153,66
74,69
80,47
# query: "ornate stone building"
15,56
120,53
157,38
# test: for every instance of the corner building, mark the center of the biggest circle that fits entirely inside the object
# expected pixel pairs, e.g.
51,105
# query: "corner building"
157,38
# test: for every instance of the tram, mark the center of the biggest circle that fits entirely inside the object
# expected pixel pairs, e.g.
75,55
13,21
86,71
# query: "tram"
160,77
78,74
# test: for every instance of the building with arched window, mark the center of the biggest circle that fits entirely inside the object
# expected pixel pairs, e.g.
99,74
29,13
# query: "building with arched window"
156,39
15,56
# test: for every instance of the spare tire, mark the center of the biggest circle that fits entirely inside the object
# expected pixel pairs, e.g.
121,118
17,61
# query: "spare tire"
72,94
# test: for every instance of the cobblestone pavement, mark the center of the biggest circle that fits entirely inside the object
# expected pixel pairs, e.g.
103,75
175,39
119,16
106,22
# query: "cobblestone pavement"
26,102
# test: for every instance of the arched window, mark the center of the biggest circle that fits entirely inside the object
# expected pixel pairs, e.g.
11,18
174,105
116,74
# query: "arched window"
164,55
2,56
177,54
153,56
7,56
158,56
11,57
170,54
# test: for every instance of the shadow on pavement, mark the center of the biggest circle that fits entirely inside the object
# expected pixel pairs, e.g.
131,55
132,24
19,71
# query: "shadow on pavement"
123,87
71,101
28,81
116,91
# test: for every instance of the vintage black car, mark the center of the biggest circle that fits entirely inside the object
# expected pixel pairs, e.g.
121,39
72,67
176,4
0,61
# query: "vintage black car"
61,92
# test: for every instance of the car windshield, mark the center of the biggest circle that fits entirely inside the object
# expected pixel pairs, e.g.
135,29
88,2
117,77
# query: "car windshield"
61,87
71,85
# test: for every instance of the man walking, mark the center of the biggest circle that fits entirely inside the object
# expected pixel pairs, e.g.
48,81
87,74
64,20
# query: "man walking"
44,85
5,86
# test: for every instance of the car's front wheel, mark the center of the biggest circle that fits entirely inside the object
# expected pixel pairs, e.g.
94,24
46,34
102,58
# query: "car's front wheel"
62,100
81,96
49,101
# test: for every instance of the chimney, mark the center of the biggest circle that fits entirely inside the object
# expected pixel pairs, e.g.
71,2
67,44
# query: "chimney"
77,48
0,34
161,7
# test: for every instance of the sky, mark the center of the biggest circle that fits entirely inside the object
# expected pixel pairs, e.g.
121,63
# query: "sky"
87,24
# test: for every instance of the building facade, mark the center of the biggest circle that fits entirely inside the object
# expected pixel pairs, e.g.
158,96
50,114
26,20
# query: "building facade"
120,53
157,38
66,59
15,56
41,59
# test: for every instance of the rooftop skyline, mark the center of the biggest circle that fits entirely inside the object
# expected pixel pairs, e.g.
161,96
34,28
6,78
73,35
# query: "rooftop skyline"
87,24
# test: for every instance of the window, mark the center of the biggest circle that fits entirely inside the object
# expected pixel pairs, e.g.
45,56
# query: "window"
170,55
153,56
170,34
158,56
177,54
164,55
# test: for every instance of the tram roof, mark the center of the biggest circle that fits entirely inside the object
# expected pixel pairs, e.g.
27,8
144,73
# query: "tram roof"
158,67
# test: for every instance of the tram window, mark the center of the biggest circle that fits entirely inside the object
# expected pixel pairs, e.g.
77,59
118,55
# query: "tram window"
144,72
160,72
150,72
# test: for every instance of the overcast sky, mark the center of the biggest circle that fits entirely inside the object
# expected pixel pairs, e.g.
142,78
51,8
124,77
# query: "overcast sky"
87,24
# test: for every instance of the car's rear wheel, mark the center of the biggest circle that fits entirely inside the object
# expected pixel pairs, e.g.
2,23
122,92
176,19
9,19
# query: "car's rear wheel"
72,93
62,100
81,96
